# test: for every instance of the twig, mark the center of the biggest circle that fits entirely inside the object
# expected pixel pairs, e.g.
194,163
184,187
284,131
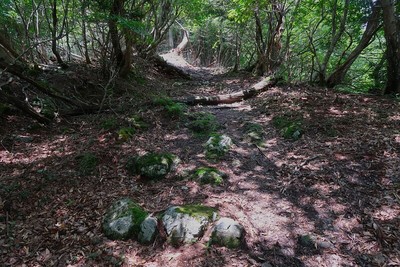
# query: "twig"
309,160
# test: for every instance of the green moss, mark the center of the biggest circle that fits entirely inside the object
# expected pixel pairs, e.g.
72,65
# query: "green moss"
152,165
126,133
172,108
217,146
209,175
254,132
290,128
202,123
124,208
87,163
197,211
46,107
137,122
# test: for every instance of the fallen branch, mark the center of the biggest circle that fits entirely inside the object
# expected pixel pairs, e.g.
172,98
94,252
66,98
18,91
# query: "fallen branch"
161,64
254,90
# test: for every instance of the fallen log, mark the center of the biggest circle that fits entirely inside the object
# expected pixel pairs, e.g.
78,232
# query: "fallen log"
254,90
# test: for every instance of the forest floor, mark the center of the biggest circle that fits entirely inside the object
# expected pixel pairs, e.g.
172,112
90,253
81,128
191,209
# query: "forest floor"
338,185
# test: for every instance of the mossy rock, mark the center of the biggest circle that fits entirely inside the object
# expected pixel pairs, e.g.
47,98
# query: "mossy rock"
217,146
228,233
254,132
153,165
209,175
202,123
123,219
187,224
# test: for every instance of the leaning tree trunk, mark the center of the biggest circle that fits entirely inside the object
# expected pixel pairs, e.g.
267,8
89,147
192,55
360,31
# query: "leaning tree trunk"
392,35
372,27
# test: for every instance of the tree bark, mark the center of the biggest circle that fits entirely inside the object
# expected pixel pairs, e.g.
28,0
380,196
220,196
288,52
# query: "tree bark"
392,35
254,90
373,26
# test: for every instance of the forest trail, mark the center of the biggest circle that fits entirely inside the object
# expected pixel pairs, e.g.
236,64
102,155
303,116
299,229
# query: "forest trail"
328,198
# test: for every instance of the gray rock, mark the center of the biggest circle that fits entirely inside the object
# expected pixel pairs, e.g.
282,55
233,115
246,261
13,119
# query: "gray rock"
218,145
153,165
227,233
122,220
186,224
148,231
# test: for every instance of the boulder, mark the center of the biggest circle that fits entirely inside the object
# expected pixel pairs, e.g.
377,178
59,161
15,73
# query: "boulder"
208,175
186,224
217,146
123,219
153,165
148,231
227,233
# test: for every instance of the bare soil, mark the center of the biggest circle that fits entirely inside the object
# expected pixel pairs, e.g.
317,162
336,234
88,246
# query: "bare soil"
338,185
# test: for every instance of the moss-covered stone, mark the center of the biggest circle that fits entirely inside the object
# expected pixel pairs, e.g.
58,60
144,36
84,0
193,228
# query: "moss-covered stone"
153,165
227,233
208,175
217,146
254,133
123,219
187,224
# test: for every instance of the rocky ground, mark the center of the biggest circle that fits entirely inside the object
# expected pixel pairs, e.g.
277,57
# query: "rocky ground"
327,196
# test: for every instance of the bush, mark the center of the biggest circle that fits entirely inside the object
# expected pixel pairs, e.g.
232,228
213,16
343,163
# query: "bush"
109,124
290,128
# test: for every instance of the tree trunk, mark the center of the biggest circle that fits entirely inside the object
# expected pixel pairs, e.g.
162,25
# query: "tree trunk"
372,27
183,43
54,35
254,90
116,10
392,35
84,33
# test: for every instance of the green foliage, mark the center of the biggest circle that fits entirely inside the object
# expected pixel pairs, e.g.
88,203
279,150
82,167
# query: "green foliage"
109,124
202,123
137,122
126,133
290,128
209,175
87,163
172,108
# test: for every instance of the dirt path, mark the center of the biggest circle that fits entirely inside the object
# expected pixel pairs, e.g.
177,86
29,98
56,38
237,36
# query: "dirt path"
330,198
